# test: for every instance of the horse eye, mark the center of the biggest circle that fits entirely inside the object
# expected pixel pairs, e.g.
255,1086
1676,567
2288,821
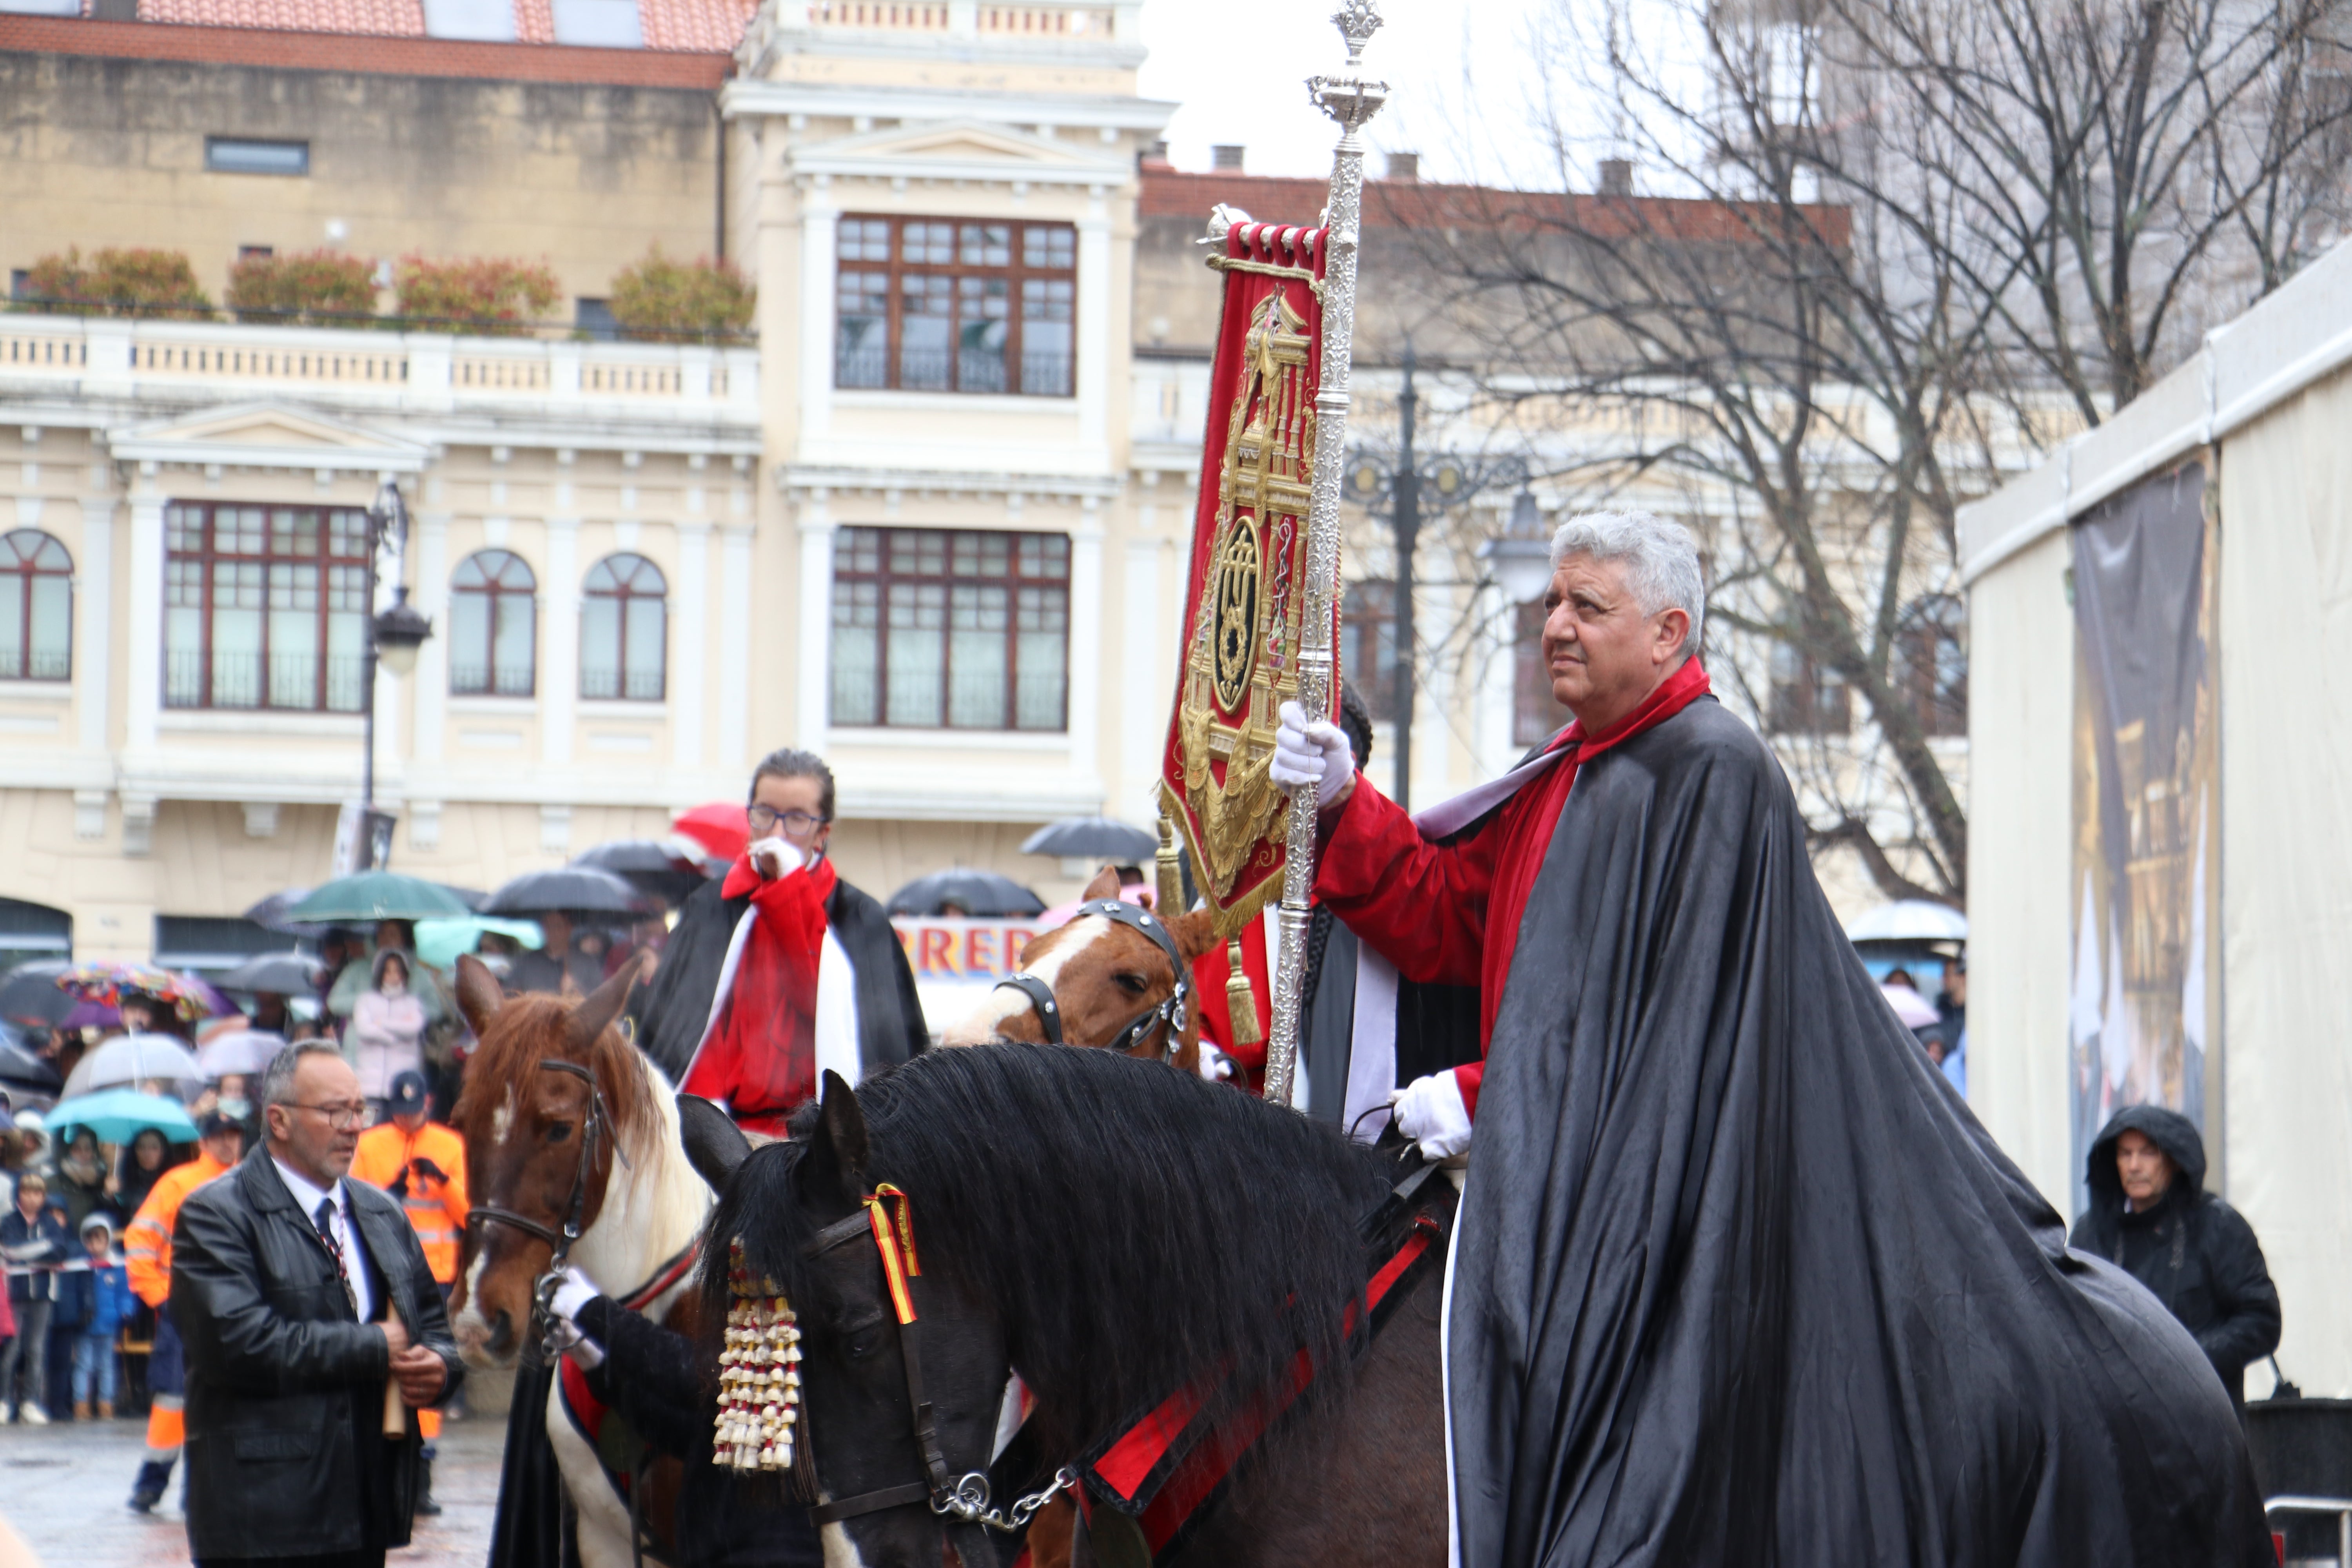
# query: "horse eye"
1133,985
557,1132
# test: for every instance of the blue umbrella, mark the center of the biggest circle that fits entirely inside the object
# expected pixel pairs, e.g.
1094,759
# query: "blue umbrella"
117,1116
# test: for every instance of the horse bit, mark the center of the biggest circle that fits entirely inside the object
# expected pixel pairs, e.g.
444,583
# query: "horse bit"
1170,1012
597,1122
965,1500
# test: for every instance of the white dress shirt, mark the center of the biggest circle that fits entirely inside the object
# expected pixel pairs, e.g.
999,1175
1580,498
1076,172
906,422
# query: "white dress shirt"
307,1198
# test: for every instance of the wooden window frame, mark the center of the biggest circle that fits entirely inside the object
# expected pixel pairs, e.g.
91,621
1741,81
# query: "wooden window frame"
493,591
209,555
1018,275
884,578
624,595
1535,714
1368,621
19,577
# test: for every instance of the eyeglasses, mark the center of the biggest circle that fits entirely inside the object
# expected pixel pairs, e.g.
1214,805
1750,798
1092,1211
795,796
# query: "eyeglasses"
767,819
341,1118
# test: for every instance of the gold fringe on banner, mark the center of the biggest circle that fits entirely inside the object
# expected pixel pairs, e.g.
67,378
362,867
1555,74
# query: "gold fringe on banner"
1240,998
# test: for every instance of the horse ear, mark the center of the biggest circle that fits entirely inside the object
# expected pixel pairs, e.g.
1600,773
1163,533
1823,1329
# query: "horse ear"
715,1146
478,996
1194,933
603,1005
1104,885
838,1150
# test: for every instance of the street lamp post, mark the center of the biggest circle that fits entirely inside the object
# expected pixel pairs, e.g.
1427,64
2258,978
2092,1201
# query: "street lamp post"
394,638
1399,487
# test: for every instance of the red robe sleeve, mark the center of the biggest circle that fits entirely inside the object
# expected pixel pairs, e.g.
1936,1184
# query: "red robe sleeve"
1421,905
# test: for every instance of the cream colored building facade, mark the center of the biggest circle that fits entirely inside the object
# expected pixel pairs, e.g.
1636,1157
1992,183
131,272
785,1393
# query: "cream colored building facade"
184,765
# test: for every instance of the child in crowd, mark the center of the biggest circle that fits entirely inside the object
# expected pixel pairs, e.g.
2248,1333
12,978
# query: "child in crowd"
105,1302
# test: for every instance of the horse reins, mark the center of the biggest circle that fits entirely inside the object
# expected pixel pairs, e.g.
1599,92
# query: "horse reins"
596,1123
965,1500
1169,1013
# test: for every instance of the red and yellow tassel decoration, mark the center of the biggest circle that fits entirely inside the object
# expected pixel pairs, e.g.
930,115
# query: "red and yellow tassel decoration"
759,1374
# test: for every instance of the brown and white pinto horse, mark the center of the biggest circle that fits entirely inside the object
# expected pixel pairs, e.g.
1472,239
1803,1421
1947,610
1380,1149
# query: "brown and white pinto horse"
1103,975
563,1116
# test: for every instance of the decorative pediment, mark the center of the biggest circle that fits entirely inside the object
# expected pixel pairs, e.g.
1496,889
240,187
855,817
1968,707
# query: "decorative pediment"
963,149
267,435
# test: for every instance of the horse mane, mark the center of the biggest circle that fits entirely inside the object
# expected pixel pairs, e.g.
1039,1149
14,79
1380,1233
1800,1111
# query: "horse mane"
1139,1230
530,1029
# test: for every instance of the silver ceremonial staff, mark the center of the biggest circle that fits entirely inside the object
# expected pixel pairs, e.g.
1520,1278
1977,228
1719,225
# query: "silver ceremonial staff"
1351,99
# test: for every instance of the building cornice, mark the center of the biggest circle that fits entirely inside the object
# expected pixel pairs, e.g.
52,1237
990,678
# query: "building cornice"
796,480
740,97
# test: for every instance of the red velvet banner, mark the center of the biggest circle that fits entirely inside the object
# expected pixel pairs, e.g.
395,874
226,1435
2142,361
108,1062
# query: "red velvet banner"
1245,594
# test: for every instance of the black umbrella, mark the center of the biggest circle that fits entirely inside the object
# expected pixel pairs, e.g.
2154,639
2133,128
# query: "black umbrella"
22,1067
284,974
580,891
29,993
668,868
961,890
1093,838
270,914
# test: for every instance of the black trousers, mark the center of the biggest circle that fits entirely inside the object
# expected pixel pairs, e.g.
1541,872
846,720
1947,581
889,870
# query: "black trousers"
313,1560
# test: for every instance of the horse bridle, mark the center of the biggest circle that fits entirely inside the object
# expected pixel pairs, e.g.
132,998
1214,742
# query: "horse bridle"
597,1123
1169,1013
966,1500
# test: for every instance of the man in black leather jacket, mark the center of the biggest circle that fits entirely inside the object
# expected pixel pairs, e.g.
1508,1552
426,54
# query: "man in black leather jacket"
299,1295
2151,1217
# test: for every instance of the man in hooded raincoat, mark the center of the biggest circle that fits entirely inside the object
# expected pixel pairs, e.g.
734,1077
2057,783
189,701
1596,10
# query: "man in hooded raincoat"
1737,1277
2151,1217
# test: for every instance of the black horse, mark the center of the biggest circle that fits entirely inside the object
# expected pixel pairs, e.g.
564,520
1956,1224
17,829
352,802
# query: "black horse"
1117,1233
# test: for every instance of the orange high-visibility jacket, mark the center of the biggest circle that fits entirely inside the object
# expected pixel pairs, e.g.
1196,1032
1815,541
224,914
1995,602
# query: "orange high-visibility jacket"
436,1208
147,1242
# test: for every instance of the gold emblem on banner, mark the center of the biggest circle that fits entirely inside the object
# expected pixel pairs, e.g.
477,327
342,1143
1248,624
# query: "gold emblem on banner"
1242,664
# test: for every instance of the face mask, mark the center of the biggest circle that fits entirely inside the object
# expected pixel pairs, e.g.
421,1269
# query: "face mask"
239,1108
393,985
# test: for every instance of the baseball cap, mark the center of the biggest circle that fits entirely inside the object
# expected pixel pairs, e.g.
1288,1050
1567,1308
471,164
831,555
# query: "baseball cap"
217,1120
407,1095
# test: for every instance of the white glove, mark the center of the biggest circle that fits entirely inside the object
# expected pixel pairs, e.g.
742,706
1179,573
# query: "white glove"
1214,1063
1310,753
776,859
1430,1111
576,1292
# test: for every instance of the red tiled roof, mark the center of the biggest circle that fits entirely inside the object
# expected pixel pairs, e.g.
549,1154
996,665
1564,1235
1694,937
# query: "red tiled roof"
393,18
1408,203
698,24
688,27
373,54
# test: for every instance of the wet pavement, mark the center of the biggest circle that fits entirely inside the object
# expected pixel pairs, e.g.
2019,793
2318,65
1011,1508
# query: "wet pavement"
63,1486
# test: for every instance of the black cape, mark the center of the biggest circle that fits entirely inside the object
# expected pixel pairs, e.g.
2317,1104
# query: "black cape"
1739,1278
670,1013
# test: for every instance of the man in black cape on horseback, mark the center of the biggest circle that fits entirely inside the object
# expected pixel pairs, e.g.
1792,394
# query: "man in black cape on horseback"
1736,1276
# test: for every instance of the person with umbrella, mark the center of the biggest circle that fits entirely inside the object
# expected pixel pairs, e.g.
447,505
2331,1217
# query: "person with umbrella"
784,969
387,1033
147,1252
359,975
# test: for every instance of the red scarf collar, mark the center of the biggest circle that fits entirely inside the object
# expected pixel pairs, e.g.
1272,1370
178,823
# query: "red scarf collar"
1677,691
742,880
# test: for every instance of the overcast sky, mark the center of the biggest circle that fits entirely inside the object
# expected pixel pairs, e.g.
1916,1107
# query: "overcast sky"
1238,68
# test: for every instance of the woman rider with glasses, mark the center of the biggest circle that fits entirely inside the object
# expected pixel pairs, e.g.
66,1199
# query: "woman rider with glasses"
782,970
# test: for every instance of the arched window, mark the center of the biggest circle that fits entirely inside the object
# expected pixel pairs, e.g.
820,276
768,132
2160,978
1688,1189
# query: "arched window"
623,628
35,607
492,619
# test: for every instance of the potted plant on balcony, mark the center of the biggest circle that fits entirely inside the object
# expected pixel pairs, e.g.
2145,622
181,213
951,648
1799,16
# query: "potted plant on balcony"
490,295
128,282
319,288
697,302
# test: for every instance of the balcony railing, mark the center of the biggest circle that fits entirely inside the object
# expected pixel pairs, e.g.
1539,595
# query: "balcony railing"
421,372
287,682
490,681
926,369
1079,21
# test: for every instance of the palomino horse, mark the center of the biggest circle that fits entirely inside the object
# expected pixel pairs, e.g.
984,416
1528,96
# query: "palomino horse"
1108,978
986,1162
569,1129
